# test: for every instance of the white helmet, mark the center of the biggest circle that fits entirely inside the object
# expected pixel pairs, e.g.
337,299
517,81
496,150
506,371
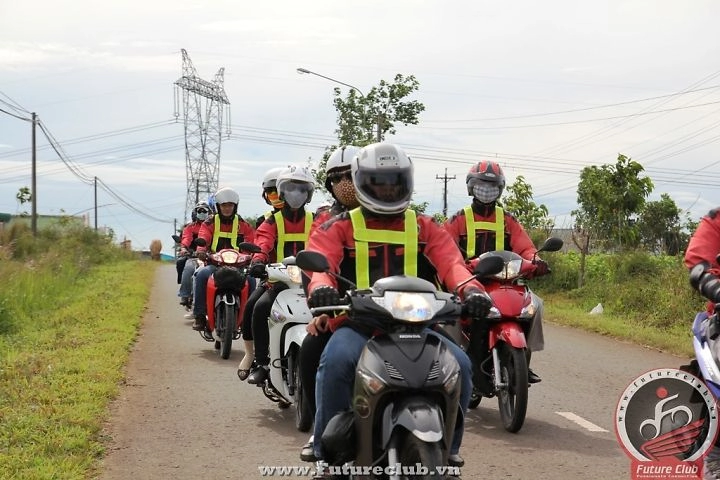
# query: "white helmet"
270,178
226,195
295,185
383,177
340,159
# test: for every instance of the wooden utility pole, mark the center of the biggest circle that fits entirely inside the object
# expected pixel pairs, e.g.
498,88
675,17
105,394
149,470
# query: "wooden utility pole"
33,180
445,179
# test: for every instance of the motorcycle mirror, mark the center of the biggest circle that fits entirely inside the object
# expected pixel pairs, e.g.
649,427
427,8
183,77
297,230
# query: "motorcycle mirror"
176,238
289,260
312,261
489,266
249,247
552,244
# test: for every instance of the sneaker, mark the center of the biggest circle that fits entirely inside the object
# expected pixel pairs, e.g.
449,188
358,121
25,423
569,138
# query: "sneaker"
307,454
199,323
259,375
533,377
455,460
189,316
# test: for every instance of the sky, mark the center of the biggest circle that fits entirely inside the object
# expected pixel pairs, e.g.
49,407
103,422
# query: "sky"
544,88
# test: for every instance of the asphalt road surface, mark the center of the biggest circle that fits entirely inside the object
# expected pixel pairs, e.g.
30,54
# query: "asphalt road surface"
183,414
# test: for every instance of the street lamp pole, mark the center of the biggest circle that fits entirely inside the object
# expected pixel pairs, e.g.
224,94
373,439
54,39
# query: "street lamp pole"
310,72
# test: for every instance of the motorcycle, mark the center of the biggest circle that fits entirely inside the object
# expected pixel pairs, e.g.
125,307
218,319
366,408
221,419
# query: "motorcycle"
497,345
706,335
288,318
227,293
406,388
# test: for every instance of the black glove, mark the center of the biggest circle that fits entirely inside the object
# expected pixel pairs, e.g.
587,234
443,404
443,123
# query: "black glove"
710,287
201,255
541,268
257,270
324,296
477,303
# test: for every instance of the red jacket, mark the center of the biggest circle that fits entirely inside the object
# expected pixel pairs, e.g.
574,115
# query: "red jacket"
516,238
437,255
189,234
704,244
267,236
245,233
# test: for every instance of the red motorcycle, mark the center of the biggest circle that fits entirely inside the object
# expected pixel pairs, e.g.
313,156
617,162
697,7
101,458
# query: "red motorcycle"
227,293
497,344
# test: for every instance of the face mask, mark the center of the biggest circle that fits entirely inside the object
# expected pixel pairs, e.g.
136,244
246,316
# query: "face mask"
486,192
274,199
201,216
296,199
345,193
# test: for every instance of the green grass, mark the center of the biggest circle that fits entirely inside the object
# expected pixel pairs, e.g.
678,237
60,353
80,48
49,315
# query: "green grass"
61,364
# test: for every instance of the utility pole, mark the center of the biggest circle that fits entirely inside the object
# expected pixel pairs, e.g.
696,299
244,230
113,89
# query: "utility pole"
96,205
33,181
445,179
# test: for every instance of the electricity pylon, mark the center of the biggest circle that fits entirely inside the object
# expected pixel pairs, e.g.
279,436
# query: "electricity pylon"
203,106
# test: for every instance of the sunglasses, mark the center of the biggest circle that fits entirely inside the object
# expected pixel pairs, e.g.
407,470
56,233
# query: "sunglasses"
201,210
338,177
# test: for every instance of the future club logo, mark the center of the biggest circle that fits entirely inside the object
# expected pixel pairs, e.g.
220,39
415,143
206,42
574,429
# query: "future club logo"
666,421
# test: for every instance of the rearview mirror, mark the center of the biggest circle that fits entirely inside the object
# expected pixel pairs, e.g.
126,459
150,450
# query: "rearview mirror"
312,261
489,266
552,244
249,247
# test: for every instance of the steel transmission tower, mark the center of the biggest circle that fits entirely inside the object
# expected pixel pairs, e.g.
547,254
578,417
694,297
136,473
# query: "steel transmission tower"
203,106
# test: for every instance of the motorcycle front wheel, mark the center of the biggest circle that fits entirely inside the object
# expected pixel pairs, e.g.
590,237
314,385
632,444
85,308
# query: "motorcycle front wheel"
513,395
413,452
303,414
226,328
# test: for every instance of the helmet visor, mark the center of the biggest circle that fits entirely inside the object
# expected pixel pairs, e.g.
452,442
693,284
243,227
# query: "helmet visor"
387,187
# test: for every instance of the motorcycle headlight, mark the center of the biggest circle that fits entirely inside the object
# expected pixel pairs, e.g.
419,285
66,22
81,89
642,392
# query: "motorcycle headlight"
229,256
494,312
451,383
511,270
410,306
529,311
295,274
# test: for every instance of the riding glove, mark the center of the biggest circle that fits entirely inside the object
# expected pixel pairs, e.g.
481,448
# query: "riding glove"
477,303
257,270
541,268
324,296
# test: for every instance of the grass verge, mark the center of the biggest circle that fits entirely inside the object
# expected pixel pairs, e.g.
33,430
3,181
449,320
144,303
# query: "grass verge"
675,339
62,366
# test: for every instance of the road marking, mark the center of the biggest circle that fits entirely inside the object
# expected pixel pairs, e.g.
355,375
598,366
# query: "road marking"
581,421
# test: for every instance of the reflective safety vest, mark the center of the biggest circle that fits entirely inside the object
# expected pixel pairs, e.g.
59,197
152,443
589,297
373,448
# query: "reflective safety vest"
472,227
363,236
232,235
283,237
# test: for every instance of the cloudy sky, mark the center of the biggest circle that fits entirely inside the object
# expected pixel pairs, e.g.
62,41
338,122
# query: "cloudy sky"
545,88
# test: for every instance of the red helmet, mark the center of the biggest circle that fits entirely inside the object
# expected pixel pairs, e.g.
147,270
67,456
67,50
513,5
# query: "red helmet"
486,171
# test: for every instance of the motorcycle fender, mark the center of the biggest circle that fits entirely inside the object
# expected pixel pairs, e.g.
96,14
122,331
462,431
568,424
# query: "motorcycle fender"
417,415
508,332
294,335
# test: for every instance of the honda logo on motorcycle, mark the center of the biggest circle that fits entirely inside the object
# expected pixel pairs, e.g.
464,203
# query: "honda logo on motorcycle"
666,421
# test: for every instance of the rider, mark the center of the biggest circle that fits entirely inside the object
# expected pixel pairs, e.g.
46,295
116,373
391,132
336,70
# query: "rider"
187,246
495,229
226,229
282,235
383,177
338,182
272,198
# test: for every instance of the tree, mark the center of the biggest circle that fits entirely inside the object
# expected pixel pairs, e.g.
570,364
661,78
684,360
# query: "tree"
358,117
659,226
23,196
518,200
609,197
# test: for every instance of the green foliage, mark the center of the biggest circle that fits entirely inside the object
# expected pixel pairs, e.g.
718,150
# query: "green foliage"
659,226
609,198
518,200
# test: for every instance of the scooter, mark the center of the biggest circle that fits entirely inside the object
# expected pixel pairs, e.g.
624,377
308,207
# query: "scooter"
497,345
227,293
407,382
288,318
706,334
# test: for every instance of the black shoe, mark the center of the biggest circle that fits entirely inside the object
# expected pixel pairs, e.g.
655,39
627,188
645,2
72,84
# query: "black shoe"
199,323
259,375
184,301
307,454
533,377
455,460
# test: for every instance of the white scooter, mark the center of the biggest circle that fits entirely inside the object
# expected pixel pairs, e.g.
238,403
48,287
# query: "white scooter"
289,317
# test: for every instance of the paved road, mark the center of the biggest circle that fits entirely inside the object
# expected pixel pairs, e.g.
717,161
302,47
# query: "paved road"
183,414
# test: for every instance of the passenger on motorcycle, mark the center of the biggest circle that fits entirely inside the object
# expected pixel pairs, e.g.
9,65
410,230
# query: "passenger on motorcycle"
383,177
282,235
186,268
272,198
338,183
703,248
495,229
226,229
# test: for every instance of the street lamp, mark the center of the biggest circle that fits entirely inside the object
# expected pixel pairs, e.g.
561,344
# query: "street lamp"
310,72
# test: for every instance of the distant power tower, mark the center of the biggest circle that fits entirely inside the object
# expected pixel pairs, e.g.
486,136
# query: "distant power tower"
203,105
